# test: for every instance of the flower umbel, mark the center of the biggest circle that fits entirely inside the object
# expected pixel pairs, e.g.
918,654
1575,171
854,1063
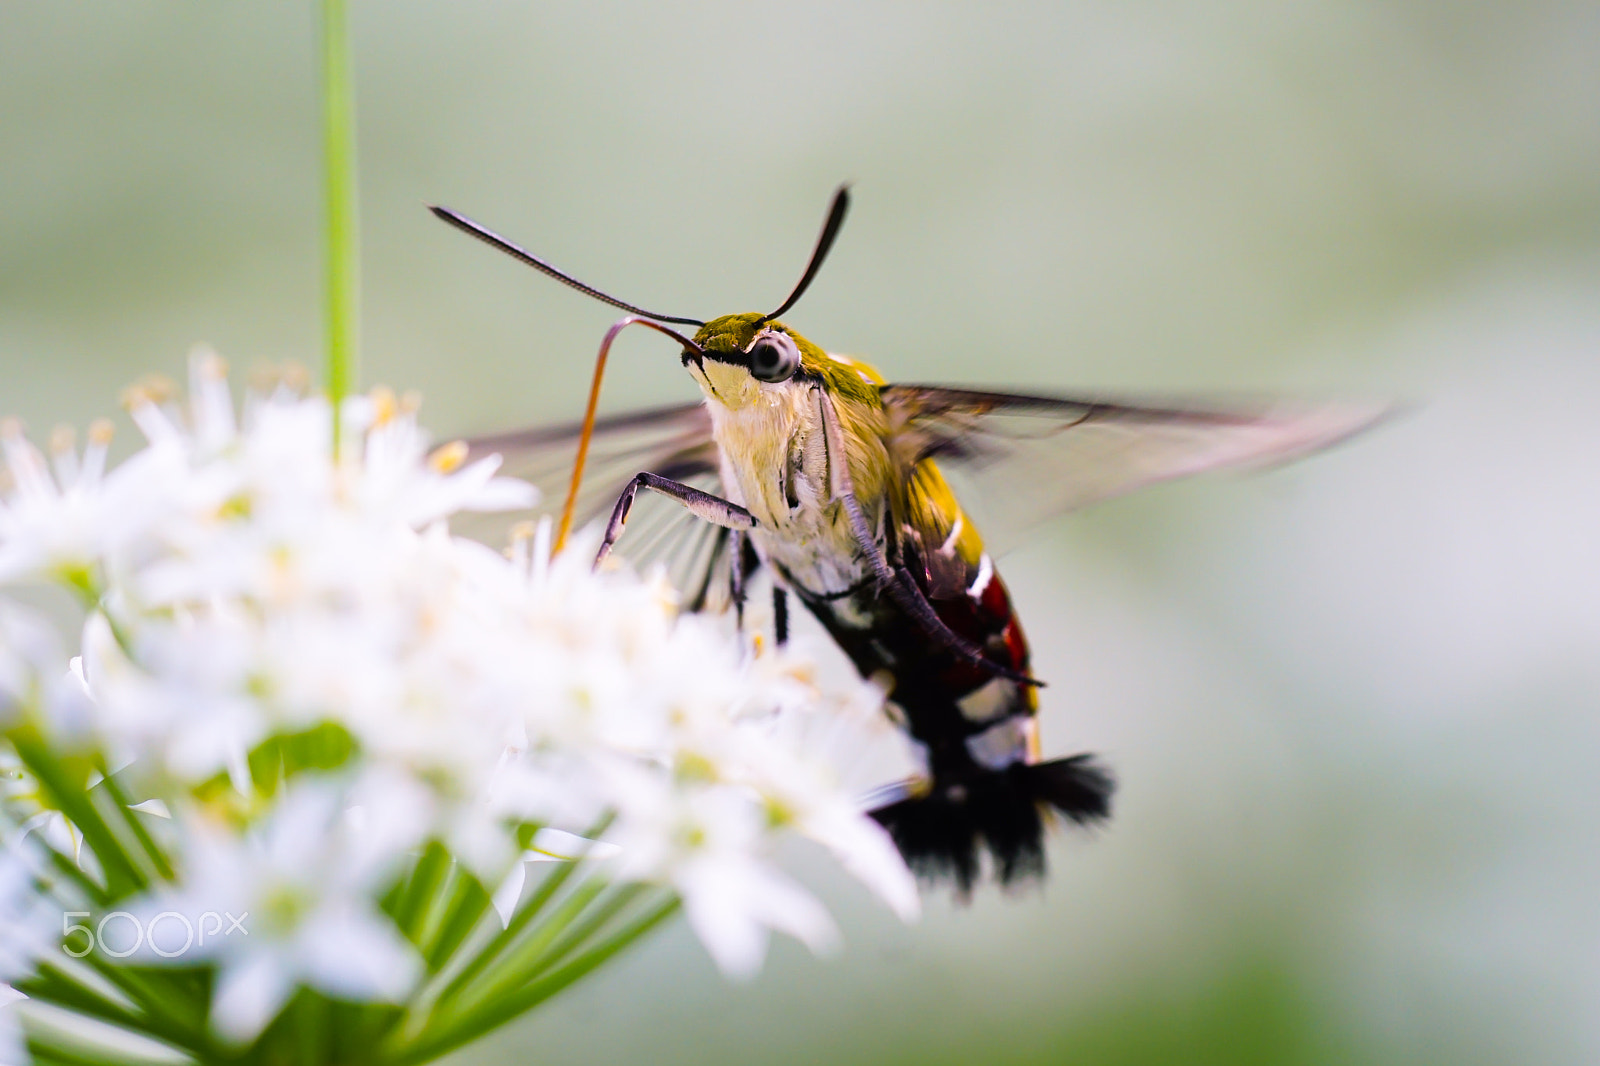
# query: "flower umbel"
424,784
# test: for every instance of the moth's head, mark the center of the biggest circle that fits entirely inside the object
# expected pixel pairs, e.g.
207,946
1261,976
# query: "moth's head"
737,359
749,358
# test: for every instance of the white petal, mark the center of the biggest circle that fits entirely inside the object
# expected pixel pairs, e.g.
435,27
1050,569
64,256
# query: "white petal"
155,807
865,849
788,908
393,813
358,956
13,1049
252,987
509,894
559,844
736,941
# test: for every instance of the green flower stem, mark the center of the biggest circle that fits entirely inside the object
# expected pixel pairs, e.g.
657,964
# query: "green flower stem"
432,1046
468,903
162,1018
115,818
454,884
343,247
428,1007
539,991
522,916
429,873
78,973
45,1055
580,932
140,833
69,869
519,921
50,985
511,971
122,875
585,929
355,1030
311,1029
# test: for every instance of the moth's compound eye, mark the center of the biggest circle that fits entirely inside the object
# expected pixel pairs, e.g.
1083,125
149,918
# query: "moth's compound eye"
773,358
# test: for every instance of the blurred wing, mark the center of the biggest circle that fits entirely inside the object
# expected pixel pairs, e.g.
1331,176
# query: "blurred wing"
674,442
1032,457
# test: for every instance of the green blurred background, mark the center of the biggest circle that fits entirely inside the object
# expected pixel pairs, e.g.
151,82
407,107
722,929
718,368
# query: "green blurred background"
1353,704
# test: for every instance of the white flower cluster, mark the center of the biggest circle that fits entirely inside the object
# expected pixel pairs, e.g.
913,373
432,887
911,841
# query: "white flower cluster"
245,589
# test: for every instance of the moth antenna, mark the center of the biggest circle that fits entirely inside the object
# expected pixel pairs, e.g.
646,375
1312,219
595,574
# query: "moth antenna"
494,240
594,401
830,230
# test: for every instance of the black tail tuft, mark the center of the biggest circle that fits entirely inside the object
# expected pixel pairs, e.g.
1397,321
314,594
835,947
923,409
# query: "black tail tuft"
942,833
1078,787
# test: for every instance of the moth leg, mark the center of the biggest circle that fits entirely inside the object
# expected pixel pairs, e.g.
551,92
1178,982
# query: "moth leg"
697,602
897,581
908,594
713,509
736,576
780,615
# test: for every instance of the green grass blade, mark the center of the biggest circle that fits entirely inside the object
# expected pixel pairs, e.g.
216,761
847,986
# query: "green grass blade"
343,239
